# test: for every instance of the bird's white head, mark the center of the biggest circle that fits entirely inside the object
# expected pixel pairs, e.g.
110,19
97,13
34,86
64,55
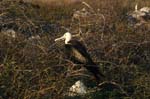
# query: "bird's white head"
67,37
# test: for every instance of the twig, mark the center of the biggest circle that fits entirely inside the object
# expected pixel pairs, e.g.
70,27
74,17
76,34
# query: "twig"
3,14
86,4
109,84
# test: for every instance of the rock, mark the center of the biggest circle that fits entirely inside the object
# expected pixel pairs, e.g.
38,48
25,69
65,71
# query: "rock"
77,89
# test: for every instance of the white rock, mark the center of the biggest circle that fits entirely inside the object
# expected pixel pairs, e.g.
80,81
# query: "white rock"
9,33
78,89
36,37
145,9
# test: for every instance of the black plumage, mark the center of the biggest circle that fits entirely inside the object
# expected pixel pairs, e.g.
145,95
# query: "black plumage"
78,54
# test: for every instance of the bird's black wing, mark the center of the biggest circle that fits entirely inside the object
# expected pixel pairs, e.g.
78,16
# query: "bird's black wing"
79,52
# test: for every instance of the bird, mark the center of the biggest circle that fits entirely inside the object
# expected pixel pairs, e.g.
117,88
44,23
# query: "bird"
78,54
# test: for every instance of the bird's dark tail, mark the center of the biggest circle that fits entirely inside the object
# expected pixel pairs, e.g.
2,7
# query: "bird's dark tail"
94,69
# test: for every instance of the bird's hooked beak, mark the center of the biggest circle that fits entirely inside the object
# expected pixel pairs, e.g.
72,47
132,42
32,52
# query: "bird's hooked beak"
61,38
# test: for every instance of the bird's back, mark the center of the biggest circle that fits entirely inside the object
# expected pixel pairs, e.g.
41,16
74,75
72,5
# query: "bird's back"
77,52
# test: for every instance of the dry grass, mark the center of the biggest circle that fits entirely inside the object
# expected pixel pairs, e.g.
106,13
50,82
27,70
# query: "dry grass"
37,69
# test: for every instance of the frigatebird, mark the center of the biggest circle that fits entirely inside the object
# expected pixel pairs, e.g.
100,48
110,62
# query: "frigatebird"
77,53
